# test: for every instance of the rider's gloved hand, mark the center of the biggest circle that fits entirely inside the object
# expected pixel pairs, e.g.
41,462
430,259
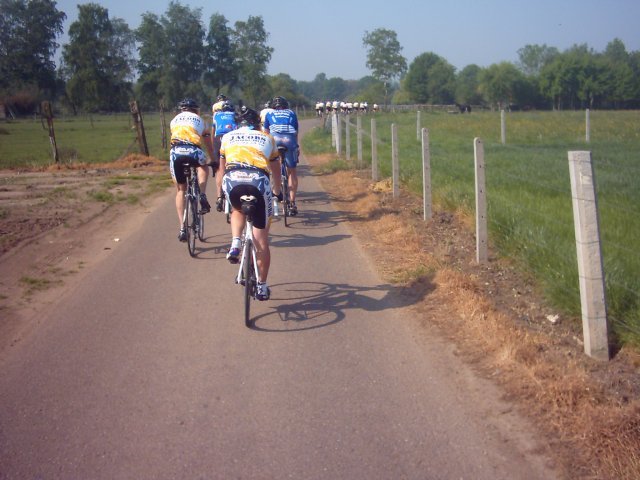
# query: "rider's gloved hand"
279,196
220,204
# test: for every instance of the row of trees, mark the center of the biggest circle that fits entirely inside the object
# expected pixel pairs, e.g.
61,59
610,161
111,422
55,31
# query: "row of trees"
169,56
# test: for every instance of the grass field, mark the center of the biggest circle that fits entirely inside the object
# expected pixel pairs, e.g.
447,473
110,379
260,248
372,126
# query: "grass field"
81,139
529,195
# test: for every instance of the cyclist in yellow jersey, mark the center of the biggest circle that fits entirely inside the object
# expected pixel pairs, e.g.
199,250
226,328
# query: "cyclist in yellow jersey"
217,107
248,157
188,134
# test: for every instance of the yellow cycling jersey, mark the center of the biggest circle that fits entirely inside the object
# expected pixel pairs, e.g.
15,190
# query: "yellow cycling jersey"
217,107
248,147
187,127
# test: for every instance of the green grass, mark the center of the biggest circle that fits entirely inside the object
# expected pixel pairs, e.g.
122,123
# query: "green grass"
529,195
84,138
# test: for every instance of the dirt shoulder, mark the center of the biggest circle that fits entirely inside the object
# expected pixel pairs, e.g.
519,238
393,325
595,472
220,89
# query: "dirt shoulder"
57,223
52,223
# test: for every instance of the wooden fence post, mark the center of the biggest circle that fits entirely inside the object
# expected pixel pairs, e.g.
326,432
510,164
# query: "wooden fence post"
137,120
374,150
589,252
163,127
47,112
395,161
481,202
426,175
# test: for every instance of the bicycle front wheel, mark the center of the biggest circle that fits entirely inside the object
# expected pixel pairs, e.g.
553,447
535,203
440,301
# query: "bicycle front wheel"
201,227
248,273
192,220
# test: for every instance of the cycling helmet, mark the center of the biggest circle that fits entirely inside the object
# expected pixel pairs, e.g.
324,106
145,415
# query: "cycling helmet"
227,106
221,98
188,104
279,103
249,117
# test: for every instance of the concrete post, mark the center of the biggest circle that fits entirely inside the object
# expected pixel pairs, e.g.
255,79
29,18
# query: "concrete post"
481,202
359,139
395,161
587,126
590,268
347,137
426,175
374,151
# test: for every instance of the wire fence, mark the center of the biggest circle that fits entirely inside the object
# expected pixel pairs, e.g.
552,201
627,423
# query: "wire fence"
530,212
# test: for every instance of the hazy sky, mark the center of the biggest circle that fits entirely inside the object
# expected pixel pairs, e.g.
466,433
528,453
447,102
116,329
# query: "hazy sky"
325,36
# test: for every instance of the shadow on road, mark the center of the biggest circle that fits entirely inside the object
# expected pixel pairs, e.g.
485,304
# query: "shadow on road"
311,305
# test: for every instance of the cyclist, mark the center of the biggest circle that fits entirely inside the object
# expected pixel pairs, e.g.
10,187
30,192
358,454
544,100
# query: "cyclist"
220,99
224,121
282,123
263,113
188,133
248,156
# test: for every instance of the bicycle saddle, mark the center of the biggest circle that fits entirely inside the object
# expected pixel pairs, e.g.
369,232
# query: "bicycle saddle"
249,203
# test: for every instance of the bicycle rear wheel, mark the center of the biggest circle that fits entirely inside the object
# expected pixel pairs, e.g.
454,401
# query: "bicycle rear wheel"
285,196
248,273
192,222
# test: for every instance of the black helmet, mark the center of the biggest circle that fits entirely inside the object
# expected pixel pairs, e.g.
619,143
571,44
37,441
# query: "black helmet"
188,104
249,117
227,106
221,98
279,102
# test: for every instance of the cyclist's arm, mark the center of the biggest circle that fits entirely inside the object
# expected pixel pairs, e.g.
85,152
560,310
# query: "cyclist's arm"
208,144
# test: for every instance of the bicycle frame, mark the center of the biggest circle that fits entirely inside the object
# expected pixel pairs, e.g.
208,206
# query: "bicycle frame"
248,248
248,274
194,225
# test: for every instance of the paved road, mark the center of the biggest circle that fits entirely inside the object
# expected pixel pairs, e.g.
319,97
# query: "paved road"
147,371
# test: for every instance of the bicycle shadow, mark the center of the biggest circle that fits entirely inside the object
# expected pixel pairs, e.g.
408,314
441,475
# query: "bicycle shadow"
312,305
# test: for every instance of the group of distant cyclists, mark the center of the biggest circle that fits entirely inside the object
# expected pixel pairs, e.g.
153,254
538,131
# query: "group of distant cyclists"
242,152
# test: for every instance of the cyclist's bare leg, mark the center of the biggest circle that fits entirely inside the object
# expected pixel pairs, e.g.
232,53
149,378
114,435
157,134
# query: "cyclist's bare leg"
203,175
181,188
293,183
263,254
237,223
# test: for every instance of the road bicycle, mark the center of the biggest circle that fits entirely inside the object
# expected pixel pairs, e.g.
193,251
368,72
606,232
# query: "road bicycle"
248,270
192,219
286,200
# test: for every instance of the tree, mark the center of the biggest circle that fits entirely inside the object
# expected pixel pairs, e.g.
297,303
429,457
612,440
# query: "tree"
534,57
285,86
467,85
171,55
98,60
501,83
220,64
430,79
383,56
152,58
184,64
253,54
28,32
